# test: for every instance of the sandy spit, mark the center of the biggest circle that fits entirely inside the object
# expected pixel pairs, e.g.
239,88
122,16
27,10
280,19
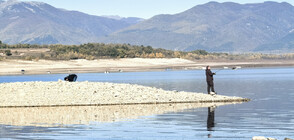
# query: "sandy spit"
14,67
61,93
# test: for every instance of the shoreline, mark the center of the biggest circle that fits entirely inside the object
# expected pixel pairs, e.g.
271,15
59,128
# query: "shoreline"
14,67
61,93
224,101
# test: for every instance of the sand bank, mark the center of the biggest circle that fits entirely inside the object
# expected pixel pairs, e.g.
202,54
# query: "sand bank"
13,67
61,93
59,116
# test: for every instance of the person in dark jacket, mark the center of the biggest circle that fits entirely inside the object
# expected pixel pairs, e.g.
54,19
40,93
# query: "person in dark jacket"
71,78
209,80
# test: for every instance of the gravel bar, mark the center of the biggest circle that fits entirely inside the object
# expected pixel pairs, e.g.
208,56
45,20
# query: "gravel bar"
61,93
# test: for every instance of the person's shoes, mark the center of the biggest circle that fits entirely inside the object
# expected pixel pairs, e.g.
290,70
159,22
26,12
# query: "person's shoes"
212,93
212,108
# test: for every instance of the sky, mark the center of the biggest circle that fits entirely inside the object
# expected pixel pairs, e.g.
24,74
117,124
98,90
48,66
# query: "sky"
136,8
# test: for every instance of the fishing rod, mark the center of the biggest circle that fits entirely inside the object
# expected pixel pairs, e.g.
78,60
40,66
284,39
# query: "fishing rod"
233,68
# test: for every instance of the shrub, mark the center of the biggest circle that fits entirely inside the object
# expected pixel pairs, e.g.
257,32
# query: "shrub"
8,53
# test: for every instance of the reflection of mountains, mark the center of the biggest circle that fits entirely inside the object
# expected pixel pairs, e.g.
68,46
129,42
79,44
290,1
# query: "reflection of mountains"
53,116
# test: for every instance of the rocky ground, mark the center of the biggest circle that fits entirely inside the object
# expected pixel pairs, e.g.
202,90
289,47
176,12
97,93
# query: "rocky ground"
61,93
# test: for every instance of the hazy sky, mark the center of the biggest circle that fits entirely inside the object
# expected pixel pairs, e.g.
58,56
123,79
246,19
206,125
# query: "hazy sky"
136,8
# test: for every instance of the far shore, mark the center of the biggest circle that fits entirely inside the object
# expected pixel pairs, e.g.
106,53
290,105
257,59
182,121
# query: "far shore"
17,67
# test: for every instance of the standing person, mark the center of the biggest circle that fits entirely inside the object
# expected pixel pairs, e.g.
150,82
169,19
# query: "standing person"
209,80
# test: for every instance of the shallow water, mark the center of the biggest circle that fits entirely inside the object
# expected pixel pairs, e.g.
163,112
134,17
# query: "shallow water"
269,113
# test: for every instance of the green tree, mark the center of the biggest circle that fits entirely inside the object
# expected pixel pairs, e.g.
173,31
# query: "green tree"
8,53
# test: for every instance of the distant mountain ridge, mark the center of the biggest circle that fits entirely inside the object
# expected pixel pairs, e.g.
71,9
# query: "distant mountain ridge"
40,23
130,20
214,27
226,27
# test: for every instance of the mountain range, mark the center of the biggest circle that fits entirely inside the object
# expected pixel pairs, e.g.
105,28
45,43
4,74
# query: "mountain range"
225,27
40,23
214,27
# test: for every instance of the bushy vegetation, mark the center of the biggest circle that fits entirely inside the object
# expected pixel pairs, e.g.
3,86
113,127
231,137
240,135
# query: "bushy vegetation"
6,52
97,51
92,51
101,50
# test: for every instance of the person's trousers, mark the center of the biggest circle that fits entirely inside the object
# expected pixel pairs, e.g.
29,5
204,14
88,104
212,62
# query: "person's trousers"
210,85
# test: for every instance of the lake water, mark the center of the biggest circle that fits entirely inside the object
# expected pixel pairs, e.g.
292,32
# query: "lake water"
270,112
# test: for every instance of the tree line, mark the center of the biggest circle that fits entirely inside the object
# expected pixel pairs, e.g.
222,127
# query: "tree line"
98,51
92,51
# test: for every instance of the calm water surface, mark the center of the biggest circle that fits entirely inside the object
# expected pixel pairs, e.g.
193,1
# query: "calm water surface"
270,113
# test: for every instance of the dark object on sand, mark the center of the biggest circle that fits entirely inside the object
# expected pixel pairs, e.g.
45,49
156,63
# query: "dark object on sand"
22,71
71,78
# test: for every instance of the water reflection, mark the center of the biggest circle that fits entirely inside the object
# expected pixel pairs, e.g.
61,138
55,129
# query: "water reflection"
59,116
210,120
